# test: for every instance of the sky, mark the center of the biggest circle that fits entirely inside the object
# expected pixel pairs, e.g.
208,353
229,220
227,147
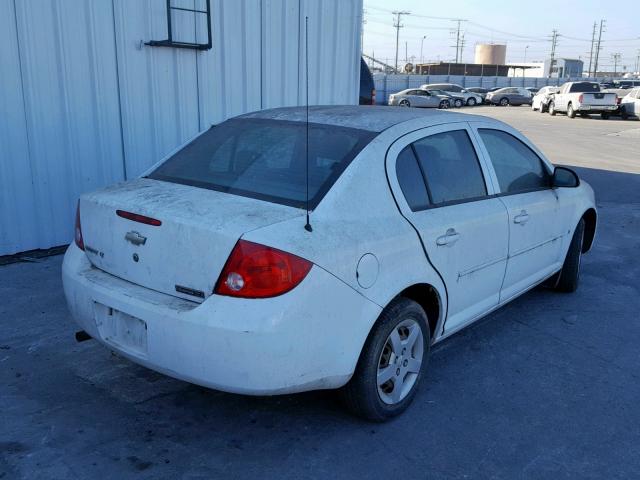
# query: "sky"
523,26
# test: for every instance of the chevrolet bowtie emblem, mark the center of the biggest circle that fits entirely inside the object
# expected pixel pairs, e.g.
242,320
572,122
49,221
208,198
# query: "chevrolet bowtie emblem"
135,238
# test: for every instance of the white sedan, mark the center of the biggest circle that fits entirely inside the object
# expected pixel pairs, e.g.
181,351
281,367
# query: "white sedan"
541,99
630,104
421,222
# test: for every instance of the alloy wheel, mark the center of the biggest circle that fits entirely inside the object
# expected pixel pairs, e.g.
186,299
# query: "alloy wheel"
400,361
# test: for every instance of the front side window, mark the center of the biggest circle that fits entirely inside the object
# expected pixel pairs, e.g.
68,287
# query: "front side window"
517,167
266,159
451,167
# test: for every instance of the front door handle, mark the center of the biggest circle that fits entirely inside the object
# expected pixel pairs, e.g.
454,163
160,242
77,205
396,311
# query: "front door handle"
449,238
521,218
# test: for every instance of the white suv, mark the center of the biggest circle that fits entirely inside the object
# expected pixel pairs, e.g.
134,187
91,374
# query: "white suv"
207,268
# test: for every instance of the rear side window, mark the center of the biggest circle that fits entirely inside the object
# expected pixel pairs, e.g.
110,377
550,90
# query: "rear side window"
266,159
411,181
450,166
517,167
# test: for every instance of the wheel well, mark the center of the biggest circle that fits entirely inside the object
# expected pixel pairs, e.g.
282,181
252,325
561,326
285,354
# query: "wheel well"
427,297
590,221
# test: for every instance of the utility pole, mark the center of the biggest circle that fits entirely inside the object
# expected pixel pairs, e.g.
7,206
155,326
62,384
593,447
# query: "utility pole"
637,69
525,54
421,48
462,44
458,38
398,26
616,59
593,41
554,42
595,68
406,52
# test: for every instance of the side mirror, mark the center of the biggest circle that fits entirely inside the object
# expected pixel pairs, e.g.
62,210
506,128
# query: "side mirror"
464,90
565,177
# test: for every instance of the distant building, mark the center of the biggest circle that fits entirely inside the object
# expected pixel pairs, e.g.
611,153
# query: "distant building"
563,68
533,70
468,69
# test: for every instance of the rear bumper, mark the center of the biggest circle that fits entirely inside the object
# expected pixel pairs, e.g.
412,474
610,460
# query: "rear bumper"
597,108
307,339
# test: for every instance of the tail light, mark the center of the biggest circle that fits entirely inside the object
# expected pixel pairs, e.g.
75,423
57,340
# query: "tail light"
78,229
373,96
581,98
258,271
618,100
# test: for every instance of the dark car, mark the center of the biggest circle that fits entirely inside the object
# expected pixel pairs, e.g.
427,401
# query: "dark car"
533,90
510,96
367,86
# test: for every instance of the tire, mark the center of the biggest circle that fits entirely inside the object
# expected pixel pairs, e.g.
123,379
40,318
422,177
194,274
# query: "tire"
457,103
534,108
569,276
404,103
605,115
552,109
543,109
624,114
504,101
584,115
471,102
444,105
363,395
571,113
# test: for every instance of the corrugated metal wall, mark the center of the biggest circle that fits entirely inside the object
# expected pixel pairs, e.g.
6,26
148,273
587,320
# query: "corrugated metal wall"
83,103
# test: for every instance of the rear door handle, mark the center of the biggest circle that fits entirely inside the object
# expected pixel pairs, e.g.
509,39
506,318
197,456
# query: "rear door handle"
449,238
521,218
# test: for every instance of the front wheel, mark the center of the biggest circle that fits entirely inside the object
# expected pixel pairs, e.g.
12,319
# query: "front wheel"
570,274
457,103
391,364
504,102
444,104
471,102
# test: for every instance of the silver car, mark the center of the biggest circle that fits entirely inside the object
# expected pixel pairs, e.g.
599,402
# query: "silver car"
415,97
470,98
630,104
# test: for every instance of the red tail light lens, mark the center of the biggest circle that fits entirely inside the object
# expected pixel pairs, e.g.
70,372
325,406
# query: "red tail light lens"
581,98
257,271
78,229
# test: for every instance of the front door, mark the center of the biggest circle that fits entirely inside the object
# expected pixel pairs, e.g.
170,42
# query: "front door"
439,182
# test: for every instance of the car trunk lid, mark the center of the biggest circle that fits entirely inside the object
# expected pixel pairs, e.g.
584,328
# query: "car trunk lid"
186,252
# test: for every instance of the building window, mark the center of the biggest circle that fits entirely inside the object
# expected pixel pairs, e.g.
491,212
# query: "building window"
170,41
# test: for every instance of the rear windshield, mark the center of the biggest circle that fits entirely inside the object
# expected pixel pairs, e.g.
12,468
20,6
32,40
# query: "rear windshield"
266,159
584,87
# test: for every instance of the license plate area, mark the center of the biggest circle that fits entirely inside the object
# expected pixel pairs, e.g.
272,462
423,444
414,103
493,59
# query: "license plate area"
124,331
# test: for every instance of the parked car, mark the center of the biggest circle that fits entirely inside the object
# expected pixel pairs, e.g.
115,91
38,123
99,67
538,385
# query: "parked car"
480,91
415,97
541,99
627,83
630,104
367,85
208,267
470,98
456,99
583,98
533,90
509,96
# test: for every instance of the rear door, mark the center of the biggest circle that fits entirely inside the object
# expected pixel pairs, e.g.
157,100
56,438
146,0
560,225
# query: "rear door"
439,181
537,221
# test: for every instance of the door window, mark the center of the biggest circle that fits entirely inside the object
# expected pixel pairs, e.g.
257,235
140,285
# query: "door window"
451,167
517,167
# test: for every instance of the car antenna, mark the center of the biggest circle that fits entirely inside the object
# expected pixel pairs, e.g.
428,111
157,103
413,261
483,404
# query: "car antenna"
307,226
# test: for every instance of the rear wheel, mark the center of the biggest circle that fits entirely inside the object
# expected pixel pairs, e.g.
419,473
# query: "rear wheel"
391,364
457,103
504,101
404,103
571,113
569,276
624,114
552,109
471,102
444,104
605,115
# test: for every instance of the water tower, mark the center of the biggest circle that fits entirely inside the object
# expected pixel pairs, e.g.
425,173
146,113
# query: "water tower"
491,54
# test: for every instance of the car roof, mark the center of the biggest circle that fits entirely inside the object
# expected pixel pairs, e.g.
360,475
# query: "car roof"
363,117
